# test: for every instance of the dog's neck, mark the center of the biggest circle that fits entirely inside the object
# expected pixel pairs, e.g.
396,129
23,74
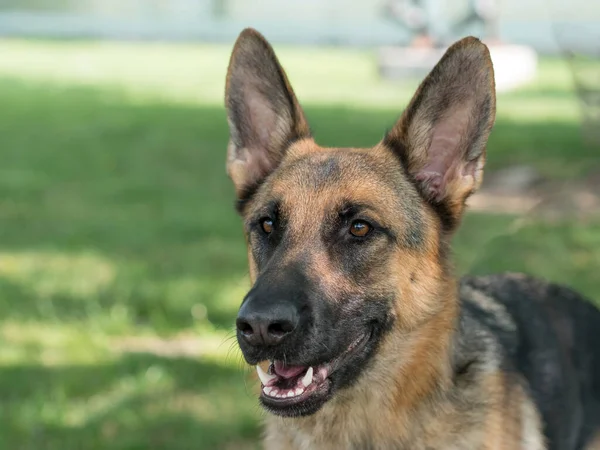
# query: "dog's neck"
380,401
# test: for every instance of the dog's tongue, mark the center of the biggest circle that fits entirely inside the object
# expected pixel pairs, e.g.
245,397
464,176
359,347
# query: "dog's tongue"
287,371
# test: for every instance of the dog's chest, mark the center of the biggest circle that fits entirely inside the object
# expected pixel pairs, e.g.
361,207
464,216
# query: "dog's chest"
374,435
456,430
298,440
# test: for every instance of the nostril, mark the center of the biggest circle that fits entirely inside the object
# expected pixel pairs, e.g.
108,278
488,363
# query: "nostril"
245,328
280,329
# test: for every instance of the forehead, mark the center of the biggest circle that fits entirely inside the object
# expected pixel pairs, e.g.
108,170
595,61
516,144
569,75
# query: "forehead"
313,181
337,167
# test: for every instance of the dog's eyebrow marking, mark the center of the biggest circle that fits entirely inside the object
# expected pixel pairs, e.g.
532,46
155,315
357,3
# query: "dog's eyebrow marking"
245,196
412,237
351,209
270,209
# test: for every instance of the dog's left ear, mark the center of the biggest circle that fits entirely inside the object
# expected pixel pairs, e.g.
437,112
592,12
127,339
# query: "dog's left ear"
263,113
442,135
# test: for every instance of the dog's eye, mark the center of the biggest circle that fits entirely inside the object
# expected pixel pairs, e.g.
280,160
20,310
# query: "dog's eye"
266,225
359,228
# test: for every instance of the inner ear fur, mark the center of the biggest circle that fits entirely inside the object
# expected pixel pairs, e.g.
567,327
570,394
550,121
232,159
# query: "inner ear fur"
441,137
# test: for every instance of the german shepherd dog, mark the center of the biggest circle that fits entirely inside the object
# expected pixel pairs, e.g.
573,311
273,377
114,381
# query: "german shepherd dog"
362,337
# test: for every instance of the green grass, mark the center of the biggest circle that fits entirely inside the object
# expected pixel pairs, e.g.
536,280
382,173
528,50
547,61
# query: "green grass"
122,262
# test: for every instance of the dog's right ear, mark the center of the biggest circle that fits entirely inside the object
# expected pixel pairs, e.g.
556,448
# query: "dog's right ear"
263,113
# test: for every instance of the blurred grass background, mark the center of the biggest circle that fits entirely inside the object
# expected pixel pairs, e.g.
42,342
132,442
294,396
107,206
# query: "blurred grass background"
122,262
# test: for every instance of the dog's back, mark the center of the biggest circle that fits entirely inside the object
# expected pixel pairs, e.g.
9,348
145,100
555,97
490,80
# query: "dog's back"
550,336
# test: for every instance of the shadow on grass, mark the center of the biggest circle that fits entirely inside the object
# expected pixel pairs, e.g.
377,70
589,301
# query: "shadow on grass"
138,401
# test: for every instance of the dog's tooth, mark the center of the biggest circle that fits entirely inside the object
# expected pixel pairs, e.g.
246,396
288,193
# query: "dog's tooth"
298,391
291,394
267,390
264,377
307,379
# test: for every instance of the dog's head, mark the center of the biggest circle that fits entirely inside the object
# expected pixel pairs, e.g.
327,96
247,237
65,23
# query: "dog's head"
346,246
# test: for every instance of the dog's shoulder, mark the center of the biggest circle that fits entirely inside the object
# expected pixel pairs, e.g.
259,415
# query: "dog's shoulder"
528,312
545,333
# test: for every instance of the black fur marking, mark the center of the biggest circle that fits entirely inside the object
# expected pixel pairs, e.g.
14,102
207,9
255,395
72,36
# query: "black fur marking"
371,319
449,222
365,443
325,330
245,197
373,314
414,238
328,170
414,233
398,148
554,348
274,286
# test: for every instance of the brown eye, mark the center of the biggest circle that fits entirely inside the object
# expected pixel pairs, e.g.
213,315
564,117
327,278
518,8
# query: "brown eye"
267,225
359,228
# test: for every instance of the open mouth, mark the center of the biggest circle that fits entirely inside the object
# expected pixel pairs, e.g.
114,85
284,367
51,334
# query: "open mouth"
290,390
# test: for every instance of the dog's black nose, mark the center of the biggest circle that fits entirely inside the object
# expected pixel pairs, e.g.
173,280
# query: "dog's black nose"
266,323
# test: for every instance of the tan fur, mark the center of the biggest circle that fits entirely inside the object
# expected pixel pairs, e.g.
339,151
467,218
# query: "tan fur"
515,423
511,421
418,279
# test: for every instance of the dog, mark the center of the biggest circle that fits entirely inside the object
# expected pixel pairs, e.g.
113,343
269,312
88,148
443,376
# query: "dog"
362,337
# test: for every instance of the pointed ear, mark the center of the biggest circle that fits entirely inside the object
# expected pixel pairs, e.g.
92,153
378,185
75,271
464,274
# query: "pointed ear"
263,113
442,135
